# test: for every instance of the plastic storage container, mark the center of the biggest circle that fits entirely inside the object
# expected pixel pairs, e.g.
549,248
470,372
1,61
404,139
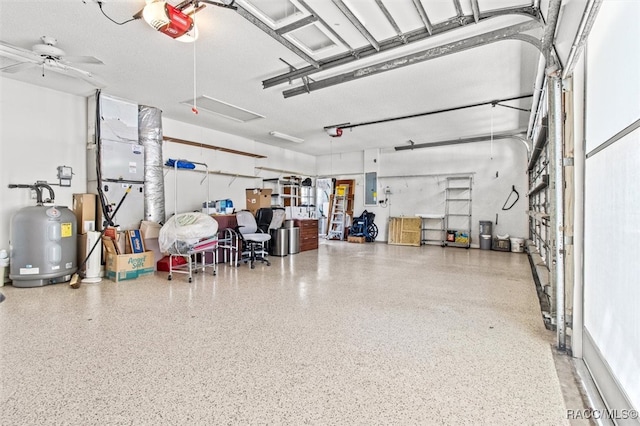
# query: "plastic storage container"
517,245
4,265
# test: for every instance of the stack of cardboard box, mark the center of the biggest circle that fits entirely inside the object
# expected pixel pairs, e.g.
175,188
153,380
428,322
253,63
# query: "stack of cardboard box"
128,254
131,263
258,198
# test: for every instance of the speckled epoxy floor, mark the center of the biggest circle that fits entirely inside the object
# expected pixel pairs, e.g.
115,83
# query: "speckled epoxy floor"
355,334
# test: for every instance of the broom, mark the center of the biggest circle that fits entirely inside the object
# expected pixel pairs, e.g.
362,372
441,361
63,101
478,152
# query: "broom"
75,279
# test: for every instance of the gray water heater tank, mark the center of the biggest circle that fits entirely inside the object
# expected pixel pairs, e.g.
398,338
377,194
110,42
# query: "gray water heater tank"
43,246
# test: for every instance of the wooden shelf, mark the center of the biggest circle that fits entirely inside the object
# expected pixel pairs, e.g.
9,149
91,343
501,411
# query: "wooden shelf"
269,169
216,172
207,146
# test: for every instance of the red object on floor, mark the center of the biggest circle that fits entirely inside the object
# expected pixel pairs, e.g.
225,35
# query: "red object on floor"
163,264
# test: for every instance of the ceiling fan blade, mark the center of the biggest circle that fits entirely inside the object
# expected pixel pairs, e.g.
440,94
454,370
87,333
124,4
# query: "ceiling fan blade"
83,60
18,54
17,67
75,72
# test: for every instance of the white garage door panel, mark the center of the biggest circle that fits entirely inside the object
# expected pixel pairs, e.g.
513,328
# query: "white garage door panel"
613,75
612,259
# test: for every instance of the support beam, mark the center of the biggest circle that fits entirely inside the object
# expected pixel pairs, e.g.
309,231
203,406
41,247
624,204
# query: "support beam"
550,31
458,7
356,23
588,18
557,212
392,21
423,15
297,24
414,58
386,45
326,26
283,41
527,39
476,10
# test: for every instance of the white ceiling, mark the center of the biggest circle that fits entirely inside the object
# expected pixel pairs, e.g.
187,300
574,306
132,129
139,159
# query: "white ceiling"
233,57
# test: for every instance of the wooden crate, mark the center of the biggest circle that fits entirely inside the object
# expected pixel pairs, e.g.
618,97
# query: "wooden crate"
354,239
405,231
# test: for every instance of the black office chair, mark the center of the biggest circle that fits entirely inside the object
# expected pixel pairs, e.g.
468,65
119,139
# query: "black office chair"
264,215
253,241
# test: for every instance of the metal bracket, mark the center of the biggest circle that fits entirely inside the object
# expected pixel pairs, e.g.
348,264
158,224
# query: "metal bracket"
567,161
568,240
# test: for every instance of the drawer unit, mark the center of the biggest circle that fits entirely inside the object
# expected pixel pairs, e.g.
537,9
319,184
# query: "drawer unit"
308,233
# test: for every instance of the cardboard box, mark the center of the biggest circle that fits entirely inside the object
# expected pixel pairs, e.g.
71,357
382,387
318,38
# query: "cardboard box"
133,241
149,230
123,267
258,198
354,239
84,207
81,250
153,245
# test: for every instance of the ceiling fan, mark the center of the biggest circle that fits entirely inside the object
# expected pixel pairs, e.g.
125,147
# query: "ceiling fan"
50,57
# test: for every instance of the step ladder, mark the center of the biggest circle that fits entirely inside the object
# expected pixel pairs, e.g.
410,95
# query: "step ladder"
338,213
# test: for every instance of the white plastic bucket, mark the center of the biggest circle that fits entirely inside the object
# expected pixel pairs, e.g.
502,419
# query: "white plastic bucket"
4,264
517,245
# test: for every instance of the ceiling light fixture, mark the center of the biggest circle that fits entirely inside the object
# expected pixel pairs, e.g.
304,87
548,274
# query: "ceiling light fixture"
170,20
286,137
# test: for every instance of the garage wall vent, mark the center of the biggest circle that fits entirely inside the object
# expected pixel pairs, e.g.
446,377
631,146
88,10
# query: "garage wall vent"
223,109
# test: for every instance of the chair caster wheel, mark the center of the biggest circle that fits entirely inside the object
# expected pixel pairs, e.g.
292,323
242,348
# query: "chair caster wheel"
190,279
169,278
268,264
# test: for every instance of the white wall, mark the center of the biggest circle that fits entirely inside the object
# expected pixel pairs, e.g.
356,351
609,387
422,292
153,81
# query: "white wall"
612,203
191,193
40,129
417,180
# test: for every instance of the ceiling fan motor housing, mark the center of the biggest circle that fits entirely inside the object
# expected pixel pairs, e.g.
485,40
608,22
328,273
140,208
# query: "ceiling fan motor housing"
48,50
